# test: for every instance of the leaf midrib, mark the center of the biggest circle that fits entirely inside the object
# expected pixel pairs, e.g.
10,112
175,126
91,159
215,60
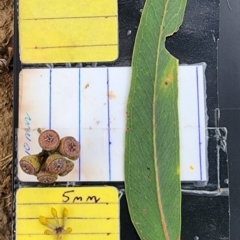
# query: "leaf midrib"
164,225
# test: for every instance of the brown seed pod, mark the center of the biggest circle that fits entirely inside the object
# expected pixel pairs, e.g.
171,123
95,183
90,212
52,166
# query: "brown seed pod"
30,164
69,168
69,147
48,140
56,163
46,177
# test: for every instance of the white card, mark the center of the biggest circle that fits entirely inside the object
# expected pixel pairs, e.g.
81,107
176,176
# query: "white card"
90,105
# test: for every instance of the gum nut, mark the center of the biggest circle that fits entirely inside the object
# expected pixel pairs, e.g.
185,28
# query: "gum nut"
30,164
46,177
70,148
49,140
69,168
56,163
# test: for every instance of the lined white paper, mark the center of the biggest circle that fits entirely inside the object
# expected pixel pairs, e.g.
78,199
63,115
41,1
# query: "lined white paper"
90,105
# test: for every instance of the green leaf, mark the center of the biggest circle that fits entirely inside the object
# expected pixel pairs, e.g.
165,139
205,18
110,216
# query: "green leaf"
152,172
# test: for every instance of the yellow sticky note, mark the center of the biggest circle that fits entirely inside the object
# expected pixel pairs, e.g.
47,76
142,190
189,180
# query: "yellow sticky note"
93,212
60,31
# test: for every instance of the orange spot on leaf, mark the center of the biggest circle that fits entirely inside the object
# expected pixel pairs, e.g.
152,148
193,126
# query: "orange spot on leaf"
168,79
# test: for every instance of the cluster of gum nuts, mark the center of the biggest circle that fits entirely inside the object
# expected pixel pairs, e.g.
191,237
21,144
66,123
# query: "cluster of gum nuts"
54,160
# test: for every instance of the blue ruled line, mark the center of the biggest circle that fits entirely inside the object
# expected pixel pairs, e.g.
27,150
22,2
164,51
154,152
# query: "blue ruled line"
109,133
50,100
79,120
199,125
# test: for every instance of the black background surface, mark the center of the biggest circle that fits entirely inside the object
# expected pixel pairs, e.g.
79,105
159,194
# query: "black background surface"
203,218
229,102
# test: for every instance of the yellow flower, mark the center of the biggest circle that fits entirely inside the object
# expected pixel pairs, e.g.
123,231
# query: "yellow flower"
57,230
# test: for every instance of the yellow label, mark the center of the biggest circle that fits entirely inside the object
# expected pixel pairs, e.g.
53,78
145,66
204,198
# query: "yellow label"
93,212
60,31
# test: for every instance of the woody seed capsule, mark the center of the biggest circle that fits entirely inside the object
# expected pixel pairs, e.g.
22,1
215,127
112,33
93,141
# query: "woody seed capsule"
46,177
69,147
49,140
30,164
56,164
69,168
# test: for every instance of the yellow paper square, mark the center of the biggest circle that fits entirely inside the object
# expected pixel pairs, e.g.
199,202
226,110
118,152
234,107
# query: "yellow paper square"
60,31
93,212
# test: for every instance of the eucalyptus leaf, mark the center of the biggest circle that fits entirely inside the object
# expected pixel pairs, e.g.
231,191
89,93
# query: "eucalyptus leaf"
152,160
